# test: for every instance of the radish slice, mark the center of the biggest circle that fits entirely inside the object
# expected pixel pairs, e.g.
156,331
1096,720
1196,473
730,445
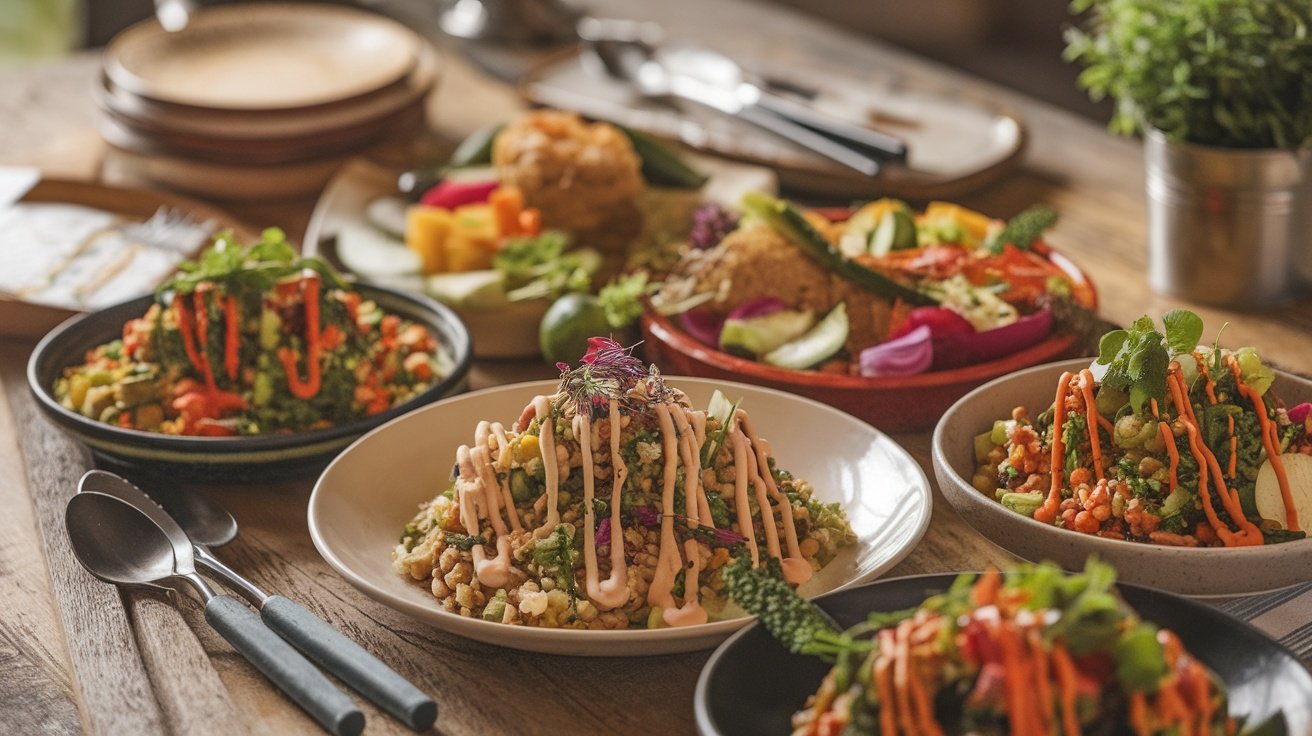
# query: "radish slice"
940,320
1299,413
450,194
907,355
758,307
957,350
702,325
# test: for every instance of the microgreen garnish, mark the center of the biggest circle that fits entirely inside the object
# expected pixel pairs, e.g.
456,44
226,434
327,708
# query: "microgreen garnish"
608,371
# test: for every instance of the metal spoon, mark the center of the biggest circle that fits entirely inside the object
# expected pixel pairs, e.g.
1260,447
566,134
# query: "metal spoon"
194,521
121,545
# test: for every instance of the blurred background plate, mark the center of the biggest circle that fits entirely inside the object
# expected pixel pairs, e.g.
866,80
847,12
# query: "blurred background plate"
506,333
263,57
955,144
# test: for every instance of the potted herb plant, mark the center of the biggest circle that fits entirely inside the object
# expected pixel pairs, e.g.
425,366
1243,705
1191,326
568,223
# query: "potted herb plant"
1222,91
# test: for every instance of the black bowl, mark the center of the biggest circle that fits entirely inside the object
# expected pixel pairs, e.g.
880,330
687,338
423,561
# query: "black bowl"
753,685
241,459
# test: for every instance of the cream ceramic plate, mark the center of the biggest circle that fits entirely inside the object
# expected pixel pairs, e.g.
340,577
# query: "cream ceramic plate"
1211,572
263,57
368,494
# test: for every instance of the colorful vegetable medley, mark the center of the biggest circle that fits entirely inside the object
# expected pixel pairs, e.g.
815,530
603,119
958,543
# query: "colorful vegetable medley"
884,292
613,504
1031,651
1161,440
249,341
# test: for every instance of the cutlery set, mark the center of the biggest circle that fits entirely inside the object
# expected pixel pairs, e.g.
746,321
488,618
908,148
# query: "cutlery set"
670,73
126,537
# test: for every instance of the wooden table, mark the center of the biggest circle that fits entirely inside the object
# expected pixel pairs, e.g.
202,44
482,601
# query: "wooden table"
78,656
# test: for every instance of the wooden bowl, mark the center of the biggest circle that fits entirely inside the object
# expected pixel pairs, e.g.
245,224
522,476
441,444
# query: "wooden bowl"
894,403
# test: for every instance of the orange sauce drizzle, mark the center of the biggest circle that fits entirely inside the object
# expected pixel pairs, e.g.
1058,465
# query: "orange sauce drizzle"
1271,442
1048,511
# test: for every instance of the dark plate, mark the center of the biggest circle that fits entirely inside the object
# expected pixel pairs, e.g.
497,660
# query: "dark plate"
751,685
243,459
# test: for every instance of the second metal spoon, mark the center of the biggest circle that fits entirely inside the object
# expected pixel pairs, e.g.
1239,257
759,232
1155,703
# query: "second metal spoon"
120,544
202,523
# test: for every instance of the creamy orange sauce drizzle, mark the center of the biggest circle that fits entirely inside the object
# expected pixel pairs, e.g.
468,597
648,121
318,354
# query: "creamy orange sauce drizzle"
1271,443
612,592
482,496
473,497
796,569
550,466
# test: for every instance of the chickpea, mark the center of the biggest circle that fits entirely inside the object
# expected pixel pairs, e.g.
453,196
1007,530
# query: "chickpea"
1086,523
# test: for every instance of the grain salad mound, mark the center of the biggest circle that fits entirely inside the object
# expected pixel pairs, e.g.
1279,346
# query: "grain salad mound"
613,504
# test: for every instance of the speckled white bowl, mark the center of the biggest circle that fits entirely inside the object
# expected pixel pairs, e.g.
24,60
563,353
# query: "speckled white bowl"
1211,572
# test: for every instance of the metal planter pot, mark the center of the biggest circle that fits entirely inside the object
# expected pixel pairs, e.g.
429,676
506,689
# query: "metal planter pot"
1226,226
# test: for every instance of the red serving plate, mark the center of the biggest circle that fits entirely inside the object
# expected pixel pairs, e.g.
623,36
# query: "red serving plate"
895,403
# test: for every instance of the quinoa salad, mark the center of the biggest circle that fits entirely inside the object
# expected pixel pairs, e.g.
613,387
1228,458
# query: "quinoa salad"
613,504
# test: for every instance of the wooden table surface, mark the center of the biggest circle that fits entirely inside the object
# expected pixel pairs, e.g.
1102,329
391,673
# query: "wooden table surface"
78,656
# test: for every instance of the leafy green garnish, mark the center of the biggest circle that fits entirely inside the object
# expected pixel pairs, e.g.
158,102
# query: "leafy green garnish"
1140,665
1137,359
254,268
556,555
1183,330
622,299
1022,230
539,267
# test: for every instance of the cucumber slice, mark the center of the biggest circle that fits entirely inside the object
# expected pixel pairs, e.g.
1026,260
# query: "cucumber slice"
896,231
820,343
387,214
469,289
760,335
371,253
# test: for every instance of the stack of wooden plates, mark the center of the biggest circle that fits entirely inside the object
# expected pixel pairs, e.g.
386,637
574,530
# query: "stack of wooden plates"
253,102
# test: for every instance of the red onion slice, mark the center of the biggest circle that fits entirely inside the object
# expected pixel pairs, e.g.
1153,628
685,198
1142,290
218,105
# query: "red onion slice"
758,307
907,355
702,325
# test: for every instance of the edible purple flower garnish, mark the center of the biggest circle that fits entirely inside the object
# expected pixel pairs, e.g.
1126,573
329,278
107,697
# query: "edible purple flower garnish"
646,515
603,531
710,223
608,371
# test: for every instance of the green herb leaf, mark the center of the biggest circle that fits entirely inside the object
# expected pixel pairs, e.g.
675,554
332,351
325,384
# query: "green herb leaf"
1183,330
